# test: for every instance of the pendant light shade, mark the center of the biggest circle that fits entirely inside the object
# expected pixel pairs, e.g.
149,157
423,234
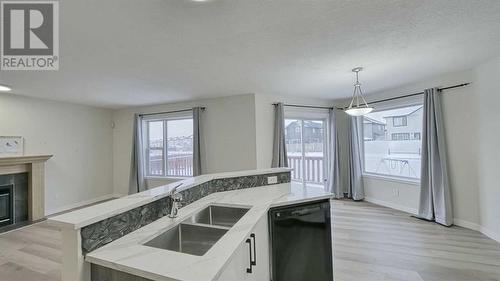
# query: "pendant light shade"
5,88
358,105
358,111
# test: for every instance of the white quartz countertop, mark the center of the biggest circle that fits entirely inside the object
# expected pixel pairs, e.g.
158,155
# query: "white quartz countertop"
128,254
86,216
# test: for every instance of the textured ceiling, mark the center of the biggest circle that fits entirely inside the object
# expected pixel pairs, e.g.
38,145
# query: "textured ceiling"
116,53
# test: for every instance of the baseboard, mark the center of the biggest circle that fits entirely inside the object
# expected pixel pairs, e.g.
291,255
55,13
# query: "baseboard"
392,205
493,235
467,224
116,195
458,222
79,204
477,227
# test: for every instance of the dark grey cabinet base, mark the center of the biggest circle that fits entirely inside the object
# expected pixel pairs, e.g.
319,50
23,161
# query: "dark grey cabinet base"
101,273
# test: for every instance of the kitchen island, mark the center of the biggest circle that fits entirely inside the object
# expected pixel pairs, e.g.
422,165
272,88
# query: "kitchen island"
229,258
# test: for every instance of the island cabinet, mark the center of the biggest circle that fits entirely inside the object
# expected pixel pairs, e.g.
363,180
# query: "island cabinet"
250,262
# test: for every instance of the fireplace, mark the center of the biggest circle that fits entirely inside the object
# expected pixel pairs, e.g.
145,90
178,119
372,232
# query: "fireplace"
6,204
26,201
14,198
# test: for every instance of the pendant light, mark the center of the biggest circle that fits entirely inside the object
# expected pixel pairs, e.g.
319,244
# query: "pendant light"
355,107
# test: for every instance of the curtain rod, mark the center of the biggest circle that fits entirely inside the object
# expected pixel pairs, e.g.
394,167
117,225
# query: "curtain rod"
306,106
417,94
376,101
165,112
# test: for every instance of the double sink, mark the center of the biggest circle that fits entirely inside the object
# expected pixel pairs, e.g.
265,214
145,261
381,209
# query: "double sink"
198,233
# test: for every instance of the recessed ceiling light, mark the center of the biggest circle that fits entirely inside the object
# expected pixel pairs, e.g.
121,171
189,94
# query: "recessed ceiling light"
5,88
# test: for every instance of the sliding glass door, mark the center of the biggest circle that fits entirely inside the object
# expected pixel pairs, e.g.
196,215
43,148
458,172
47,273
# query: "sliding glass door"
306,149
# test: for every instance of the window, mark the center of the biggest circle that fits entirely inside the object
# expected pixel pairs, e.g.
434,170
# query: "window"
306,146
399,121
400,136
169,146
394,147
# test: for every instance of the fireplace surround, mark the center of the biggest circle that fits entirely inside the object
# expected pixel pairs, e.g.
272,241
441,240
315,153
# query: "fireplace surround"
30,170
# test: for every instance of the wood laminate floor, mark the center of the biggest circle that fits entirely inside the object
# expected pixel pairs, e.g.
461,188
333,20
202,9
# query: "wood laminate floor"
370,243
377,243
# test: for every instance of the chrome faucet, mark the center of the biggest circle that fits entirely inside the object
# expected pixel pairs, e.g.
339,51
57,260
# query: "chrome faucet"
176,201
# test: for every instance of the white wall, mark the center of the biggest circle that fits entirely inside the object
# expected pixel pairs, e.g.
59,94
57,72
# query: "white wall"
471,128
228,128
79,137
488,154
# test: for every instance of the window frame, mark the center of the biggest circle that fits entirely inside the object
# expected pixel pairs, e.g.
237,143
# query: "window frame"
404,119
147,148
392,178
188,115
404,136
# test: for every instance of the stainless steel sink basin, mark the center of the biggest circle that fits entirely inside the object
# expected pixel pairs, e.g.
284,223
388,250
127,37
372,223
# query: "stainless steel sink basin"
198,233
188,238
219,215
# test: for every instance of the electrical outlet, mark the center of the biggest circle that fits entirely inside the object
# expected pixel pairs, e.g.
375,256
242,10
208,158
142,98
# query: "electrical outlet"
272,180
395,192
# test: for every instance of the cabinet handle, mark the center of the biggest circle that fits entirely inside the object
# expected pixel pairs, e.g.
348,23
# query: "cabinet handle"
254,262
249,269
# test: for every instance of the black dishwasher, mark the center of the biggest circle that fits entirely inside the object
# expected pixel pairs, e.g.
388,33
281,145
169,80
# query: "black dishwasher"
301,242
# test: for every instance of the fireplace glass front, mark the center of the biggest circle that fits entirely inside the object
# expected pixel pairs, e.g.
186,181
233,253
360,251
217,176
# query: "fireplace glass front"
6,205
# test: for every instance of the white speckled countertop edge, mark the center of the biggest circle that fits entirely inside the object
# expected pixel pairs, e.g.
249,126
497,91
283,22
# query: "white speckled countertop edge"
89,215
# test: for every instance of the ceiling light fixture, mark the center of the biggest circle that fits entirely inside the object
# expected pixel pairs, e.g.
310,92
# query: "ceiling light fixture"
5,88
355,108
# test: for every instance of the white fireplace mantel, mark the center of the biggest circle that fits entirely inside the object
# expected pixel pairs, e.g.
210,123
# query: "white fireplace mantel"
34,165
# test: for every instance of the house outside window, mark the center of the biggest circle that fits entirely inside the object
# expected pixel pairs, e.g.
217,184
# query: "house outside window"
392,142
168,146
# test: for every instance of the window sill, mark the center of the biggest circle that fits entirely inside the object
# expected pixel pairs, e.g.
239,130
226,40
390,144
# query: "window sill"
414,182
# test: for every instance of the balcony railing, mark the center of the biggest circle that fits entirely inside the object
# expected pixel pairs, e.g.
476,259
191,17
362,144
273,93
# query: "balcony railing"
311,168
182,165
178,165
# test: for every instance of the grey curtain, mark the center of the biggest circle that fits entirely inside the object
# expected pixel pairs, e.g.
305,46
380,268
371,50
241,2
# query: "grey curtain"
197,142
333,162
279,147
356,187
137,180
435,196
